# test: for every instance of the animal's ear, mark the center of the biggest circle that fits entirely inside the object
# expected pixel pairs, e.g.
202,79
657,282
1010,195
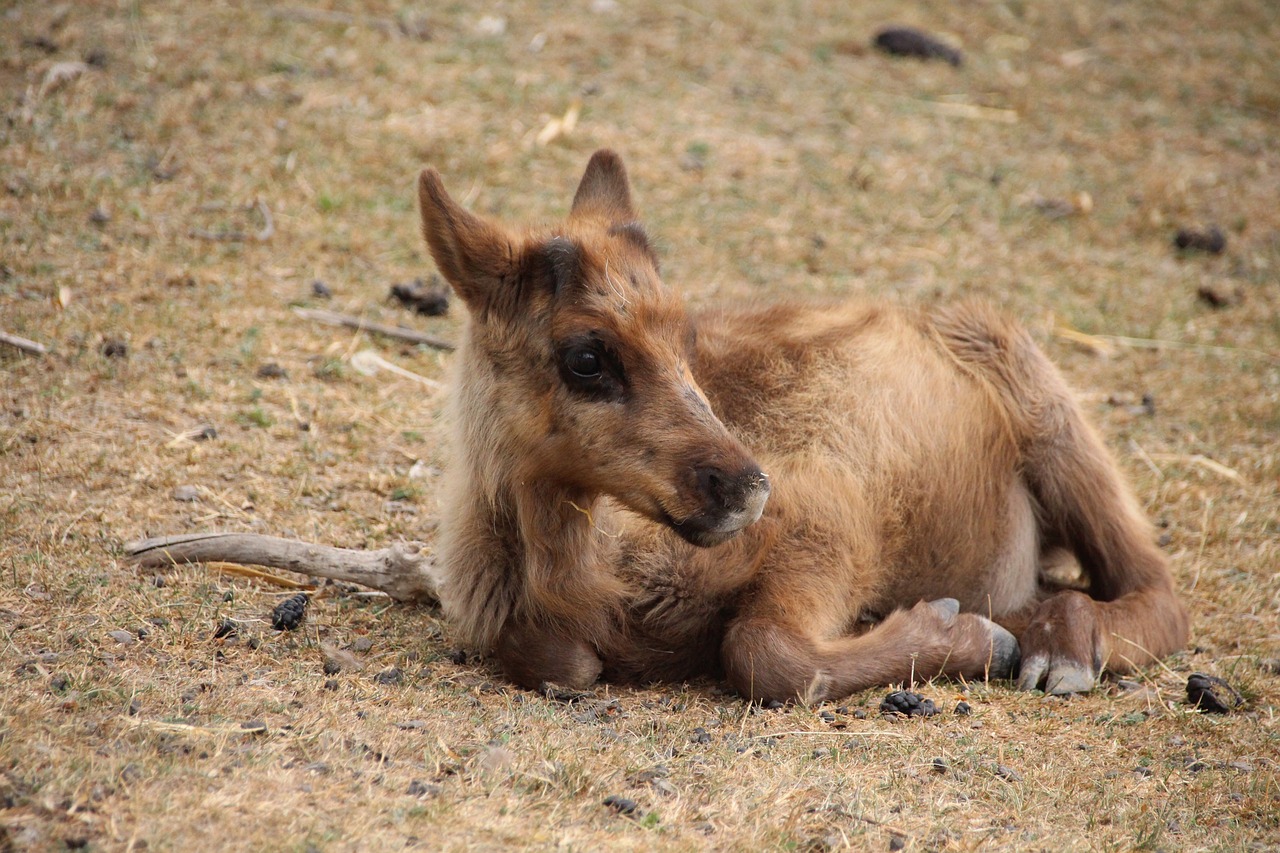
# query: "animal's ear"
475,256
604,191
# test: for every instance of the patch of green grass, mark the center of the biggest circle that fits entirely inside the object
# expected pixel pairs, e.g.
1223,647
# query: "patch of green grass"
255,416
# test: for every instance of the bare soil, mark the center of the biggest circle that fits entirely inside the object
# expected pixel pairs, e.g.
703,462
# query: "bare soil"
175,177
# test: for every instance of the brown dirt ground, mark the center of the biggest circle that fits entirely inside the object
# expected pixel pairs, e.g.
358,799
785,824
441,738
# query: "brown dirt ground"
773,153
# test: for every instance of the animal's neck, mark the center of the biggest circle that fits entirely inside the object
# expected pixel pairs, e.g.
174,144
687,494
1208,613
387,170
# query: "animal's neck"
547,525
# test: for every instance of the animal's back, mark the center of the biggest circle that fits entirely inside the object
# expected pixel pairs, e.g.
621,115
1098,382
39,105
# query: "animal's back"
863,416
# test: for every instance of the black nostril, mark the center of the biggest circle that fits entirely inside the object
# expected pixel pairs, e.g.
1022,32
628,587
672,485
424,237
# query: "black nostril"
711,482
730,490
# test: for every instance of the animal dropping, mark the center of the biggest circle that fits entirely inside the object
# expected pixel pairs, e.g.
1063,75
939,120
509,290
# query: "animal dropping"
644,493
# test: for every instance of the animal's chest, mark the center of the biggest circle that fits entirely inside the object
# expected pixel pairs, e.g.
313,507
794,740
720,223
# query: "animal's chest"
674,622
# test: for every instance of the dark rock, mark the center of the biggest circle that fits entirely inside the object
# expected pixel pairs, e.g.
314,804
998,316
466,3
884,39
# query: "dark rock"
271,370
623,806
422,789
332,667
321,290
1210,240
331,684
700,735
897,842
909,41
226,628
1212,694
430,299
114,348
1219,296
963,709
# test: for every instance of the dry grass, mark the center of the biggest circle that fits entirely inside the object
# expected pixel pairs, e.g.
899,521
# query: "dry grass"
773,153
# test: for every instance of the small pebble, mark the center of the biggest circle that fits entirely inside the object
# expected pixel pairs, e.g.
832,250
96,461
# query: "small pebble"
700,735
271,370
332,667
897,842
362,644
421,789
226,628
114,348
321,290
186,494
124,638
963,709
331,684
390,676
1008,773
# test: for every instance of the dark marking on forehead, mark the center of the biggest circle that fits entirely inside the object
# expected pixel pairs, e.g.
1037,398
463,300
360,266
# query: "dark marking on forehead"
634,232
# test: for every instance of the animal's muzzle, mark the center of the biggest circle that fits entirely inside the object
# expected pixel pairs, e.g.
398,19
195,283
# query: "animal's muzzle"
731,501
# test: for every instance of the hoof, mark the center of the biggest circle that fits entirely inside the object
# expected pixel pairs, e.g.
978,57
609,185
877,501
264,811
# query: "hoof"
947,608
1059,676
1006,654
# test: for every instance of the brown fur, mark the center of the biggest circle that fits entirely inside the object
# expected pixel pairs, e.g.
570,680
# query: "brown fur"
911,457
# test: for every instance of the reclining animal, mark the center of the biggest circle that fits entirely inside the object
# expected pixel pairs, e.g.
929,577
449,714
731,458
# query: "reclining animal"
807,500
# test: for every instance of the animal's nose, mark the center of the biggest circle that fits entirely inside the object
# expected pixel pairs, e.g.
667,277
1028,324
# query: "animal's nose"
732,491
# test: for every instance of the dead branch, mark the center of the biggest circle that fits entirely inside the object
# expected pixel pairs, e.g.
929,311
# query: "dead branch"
23,344
333,318
402,571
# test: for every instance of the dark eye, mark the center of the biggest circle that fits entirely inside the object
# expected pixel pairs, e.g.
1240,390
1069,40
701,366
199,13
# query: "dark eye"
583,363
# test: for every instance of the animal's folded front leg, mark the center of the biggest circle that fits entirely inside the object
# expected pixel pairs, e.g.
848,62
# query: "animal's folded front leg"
533,654
768,659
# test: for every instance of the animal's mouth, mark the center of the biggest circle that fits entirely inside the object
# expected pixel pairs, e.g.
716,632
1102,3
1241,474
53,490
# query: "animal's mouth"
706,530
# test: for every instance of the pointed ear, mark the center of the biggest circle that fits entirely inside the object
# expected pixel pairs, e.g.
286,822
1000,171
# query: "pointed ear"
472,254
604,192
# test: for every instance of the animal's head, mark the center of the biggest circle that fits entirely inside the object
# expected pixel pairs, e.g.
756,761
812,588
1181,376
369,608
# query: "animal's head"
586,356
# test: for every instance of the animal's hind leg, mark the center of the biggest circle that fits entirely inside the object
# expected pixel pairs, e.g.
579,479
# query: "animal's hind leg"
1131,615
766,658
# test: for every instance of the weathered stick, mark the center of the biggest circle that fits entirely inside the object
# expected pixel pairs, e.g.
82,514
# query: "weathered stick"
23,344
402,571
333,318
